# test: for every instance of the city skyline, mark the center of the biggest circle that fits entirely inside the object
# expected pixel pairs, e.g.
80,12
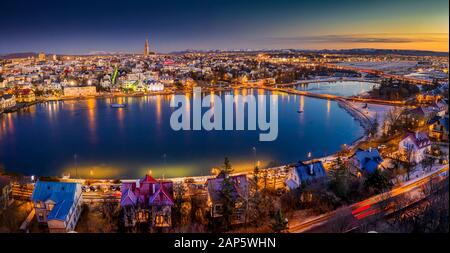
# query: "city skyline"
84,27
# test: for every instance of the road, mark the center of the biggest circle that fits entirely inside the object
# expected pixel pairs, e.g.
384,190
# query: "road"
371,206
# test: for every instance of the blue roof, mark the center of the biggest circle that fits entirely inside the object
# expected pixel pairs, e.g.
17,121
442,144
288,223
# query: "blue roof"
304,171
444,122
369,159
62,193
60,210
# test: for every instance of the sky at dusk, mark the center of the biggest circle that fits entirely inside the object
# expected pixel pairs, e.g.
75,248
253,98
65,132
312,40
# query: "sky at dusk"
86,26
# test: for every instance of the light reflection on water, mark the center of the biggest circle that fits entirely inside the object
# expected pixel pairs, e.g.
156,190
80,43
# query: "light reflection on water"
127,142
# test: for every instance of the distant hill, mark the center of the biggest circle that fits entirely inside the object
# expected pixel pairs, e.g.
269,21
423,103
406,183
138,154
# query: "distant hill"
17,55
358,51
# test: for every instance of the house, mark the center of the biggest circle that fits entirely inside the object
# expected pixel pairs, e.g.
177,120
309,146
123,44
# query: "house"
414,146
147,201
440,107
7,101
306,173
80,91
366,161
438,128
58,204
421,114
6,198
26,96
239,195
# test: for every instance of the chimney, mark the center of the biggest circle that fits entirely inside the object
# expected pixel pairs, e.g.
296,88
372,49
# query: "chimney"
311,169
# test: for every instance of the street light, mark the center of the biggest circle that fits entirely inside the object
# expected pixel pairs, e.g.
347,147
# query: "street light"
254,156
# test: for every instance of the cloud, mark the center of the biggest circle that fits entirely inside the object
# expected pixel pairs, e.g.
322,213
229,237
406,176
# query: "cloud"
363,38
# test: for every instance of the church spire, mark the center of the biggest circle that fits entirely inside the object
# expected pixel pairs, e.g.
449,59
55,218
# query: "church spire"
146,48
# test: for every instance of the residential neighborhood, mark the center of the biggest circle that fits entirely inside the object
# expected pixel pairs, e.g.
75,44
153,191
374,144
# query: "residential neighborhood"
223,118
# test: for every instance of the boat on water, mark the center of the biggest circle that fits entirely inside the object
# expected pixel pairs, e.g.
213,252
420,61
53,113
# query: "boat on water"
118,105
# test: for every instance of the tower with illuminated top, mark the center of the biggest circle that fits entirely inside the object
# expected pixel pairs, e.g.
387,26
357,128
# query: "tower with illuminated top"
146,48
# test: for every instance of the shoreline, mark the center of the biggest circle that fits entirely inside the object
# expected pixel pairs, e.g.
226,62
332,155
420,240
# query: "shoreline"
345,105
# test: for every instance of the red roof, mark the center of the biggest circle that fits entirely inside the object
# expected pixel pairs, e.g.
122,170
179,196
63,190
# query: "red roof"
161,197
25,91
148,179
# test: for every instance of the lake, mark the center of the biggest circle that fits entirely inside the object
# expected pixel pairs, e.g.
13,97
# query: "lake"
88,138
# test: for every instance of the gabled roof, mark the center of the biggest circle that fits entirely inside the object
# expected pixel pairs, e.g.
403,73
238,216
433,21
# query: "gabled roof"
368,159
7,96
56,191
161,197
418,111
310,171
128,198
433,120
61,193
420,139
148,179
60,210
240,187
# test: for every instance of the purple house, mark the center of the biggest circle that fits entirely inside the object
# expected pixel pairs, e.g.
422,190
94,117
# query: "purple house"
239,194
147,201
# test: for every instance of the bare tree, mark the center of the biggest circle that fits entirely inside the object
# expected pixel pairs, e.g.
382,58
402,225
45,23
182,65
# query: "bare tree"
342,222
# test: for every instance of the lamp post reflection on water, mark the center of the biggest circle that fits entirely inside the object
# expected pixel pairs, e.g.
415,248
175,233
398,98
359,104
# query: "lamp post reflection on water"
76,166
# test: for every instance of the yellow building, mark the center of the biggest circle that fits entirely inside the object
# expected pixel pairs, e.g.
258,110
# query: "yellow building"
80,91
41,56
26,96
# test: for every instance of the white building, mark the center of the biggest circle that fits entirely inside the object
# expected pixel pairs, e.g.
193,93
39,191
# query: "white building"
7,101
414,146
58,204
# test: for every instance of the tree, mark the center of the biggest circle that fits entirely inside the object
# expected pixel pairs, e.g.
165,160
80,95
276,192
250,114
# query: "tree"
259,201
227,192
408,165
179,191
280,223
340,176
256,178
227,169
427,163
341,222
373,128
377,182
